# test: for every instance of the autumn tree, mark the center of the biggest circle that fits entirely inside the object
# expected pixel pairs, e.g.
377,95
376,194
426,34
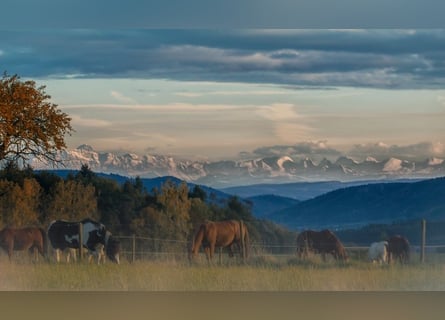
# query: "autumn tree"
199,212
30,124
175,208
72,200
19,204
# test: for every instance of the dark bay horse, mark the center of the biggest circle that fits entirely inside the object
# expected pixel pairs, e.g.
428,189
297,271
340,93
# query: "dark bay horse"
211,235
29,238
323,242
398,248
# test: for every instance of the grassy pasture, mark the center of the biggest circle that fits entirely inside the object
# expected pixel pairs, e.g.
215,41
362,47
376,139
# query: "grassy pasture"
261,273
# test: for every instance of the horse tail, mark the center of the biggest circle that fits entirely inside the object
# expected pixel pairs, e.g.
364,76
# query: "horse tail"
406,249
343,254
44,242
300,244
197,239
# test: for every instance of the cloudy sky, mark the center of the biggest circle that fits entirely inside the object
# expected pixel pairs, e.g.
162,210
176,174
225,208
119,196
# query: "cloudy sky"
226,93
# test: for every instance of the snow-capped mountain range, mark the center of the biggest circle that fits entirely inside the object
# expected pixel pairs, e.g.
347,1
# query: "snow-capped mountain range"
226,173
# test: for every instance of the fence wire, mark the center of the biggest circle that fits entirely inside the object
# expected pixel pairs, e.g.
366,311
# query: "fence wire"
146,248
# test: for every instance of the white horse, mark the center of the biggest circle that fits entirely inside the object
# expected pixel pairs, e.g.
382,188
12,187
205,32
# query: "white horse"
378,252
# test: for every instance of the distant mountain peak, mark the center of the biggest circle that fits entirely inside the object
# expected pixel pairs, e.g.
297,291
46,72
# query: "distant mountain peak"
435,161
345,161
392,164
85,147
224,173
371,159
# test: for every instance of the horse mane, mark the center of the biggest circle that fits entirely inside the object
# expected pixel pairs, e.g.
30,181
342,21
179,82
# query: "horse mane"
341,251
89,220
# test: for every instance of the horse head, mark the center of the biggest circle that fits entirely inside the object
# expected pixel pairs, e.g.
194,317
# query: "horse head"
112,248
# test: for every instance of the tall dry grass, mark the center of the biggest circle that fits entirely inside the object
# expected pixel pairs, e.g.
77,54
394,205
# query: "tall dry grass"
259,274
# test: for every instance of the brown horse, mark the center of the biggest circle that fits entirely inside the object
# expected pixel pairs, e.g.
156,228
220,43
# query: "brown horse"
323,242
398,248
220,234
29,238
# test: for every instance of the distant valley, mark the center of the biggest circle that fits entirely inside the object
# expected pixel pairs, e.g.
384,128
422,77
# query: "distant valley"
357,206
332,205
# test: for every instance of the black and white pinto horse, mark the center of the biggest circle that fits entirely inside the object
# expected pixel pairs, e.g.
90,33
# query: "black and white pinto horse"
95,237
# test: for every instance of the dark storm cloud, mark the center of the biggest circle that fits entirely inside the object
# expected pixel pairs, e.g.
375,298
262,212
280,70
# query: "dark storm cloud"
363,58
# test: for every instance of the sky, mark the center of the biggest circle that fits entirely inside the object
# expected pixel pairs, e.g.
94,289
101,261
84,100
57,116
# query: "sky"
241,93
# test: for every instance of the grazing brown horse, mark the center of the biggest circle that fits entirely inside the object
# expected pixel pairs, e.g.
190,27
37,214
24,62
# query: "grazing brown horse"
322,242
220,234
398,248
29,238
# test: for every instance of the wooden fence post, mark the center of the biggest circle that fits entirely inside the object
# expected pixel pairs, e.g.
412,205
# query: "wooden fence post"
133,258
243,245
48,252
80,241
423,241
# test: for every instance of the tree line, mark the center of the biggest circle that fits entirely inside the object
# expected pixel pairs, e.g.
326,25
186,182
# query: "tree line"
172,211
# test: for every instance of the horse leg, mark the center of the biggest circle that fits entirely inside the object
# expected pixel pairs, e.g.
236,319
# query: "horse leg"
240,248
73,253
10,250
41,250
323,256
35,253
303,253
57,252
33,249
212,251
230,250
207,252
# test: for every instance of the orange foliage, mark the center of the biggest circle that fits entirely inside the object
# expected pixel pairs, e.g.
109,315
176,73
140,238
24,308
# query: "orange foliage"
30,125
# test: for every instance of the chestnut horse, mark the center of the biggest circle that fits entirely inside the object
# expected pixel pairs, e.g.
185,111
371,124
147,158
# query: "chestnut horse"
398,248
220,234
29,238
322,242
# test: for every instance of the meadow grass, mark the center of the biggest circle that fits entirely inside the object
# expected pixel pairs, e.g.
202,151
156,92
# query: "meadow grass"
259,274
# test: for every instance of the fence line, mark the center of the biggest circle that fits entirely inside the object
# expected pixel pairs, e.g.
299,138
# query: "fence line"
142,248
261,245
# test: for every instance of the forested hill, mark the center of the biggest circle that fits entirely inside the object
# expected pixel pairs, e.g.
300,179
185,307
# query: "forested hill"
265,205
373,203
